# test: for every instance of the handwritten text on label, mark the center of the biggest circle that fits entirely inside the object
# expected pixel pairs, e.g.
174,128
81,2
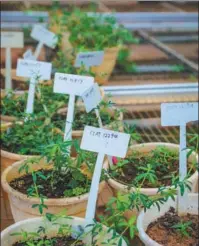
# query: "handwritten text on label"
176,114
92,97
41,34
93,58
12,39
29,68
72,84
105,141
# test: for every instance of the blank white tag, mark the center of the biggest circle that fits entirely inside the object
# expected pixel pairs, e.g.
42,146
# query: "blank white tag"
12,40
44,36
92,58
105,141
72,84
29,68
92,97
28,55
176,114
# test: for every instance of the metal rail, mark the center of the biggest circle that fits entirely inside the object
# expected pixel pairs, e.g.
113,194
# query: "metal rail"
178,39
152,89
193,66
156,68
18,20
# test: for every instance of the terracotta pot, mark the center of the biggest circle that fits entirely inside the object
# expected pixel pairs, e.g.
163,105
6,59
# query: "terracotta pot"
145,148
21,205
151,215
103,71
32,225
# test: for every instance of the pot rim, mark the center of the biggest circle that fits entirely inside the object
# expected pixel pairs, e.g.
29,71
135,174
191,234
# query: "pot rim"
49,201
113,183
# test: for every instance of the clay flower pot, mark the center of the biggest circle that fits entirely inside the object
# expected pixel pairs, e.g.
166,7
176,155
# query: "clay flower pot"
21,205
104,71
32,225
151,215
145,148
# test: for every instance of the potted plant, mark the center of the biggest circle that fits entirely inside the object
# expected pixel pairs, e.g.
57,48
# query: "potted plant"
14,103
59,230
21,140
51,182
81,32
111,118
170,226
149,166
166,227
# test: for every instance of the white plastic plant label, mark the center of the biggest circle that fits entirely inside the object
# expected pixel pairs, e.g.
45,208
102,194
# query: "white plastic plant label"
105,141
92,97
72,84
179,114
12,40
29,68
88,59
28,55
44,36
176,114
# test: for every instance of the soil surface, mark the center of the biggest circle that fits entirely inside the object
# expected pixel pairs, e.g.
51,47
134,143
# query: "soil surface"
57,241
163,161
162,232
64,185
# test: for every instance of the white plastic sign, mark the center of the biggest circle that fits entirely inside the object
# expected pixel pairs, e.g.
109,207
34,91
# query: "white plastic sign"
92,58
92,97
72,84
44,36
179,114
29,68
105,141
12,40
28,55
176,114
35,71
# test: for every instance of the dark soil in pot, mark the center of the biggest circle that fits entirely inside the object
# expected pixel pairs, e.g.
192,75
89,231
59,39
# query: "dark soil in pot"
164,230
163,162
52,184
55,241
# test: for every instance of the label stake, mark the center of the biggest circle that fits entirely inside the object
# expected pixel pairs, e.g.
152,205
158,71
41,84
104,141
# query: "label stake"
179,114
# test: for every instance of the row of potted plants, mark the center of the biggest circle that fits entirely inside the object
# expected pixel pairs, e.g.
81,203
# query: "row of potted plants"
42,179
35,185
